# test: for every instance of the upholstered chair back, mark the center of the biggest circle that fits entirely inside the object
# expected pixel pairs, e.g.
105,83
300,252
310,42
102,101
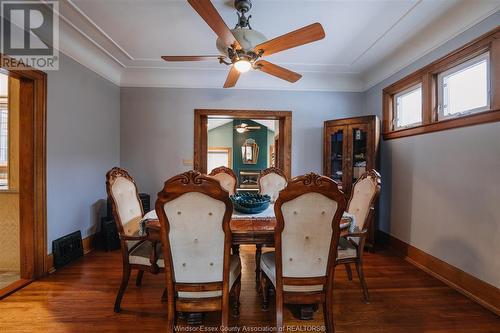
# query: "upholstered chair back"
194,212
271,182
226,177
308,213
124,196
363,196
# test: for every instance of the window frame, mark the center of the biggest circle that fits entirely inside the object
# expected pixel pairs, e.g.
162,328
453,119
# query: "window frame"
456,69
395,107
488,43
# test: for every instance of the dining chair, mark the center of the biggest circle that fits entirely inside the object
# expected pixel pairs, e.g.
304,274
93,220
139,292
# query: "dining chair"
194,212
361,205
226,177
271,181
301,269
138,252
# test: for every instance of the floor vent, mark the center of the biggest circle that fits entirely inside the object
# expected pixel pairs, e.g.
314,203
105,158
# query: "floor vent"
67,249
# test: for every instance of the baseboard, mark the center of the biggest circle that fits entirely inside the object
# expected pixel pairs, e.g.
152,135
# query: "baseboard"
88,246
479,291
4,292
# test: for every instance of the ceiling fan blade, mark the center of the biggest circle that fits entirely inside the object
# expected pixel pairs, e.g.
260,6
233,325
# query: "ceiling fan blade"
305,35
277,71
190,58
232,78
207,11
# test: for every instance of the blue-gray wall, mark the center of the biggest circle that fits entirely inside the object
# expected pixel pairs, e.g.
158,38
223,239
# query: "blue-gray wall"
157,125
441,190
83,142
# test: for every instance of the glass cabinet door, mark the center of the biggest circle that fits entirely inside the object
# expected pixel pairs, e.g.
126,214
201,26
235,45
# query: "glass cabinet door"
359,150
337,144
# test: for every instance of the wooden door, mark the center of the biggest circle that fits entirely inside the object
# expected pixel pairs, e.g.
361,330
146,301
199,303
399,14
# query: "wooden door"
335,153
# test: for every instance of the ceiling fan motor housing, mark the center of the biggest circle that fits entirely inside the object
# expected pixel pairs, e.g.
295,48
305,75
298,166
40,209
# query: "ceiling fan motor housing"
243,6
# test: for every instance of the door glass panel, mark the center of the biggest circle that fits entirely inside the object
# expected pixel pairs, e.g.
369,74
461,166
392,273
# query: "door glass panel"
359,152
336,155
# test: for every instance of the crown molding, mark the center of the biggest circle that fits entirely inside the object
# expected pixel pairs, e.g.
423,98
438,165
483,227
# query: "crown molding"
459,19
85,42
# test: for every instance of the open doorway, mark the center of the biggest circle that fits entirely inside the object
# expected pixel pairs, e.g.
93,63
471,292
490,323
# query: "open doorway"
22,178
245,141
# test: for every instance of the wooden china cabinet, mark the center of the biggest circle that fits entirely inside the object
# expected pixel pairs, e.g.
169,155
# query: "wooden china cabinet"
350,148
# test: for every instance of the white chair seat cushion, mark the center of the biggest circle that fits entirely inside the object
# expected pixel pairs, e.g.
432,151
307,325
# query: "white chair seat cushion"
346,250
141,254
234,273
268,266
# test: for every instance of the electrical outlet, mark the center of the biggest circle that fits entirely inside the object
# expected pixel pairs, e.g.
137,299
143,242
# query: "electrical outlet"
187,162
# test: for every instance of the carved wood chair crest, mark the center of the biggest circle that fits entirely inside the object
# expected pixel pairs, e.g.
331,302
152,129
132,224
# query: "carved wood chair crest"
229,182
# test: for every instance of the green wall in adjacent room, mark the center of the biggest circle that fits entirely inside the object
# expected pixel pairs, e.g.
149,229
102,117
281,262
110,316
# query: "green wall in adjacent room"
260,137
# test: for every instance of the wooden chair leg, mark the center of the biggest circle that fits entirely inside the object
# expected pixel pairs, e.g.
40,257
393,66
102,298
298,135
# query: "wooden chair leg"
236,249
123,287
164,296
361,275
258,255
279,311
171,315
138,280
328,316
236,298
265,292
225,315
349,271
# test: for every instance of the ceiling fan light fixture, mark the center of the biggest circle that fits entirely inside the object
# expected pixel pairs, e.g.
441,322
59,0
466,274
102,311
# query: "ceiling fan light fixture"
241,130
243,65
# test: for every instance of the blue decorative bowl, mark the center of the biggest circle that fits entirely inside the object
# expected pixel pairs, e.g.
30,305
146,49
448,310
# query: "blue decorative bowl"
250,203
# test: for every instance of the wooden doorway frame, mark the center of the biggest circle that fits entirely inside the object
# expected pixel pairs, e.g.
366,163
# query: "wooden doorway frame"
201,135
32,170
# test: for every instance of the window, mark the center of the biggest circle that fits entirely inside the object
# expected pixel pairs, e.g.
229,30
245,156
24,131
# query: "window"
464,89
408,107
460,89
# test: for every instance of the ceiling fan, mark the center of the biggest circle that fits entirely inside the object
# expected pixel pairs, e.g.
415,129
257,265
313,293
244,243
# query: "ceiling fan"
242,47
243,128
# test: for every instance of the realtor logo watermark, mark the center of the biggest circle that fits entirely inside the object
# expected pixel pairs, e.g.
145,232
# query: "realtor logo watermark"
29,35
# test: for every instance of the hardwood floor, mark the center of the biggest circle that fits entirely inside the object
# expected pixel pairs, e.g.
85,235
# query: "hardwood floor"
79,298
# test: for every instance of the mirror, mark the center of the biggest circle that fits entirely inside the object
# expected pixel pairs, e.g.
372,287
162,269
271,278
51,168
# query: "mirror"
250,152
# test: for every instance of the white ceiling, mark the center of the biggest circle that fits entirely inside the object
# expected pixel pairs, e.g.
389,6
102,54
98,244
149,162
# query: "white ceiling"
366,41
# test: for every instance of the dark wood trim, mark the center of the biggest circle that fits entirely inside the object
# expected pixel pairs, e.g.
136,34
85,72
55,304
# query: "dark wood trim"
473,119
479,291
284,157
427,76
32,187
11,288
